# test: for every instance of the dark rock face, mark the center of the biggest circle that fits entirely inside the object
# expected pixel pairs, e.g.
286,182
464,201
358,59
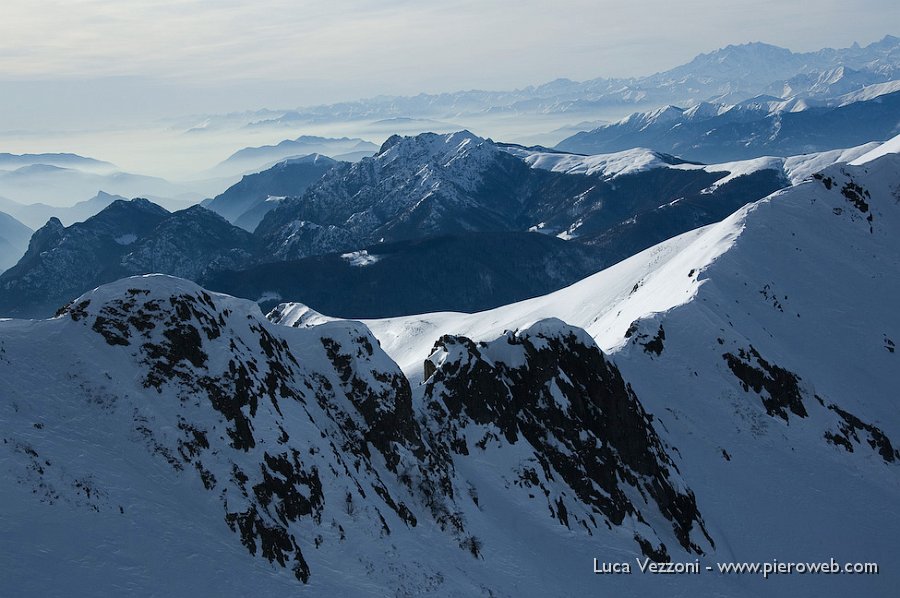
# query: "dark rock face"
460,183
857,196
652,345
553,390
778,388
780,392
849,430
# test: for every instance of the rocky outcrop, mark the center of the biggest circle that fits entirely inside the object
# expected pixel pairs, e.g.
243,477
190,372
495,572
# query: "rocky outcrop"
273,420
551,389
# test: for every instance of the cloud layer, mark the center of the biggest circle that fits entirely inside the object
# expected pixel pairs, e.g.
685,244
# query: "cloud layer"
401,46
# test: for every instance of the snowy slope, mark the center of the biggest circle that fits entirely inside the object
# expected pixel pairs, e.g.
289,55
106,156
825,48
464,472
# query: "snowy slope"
891,146
793,168
606,303
765,349
602,165
868,92
163,440
592,304
164,427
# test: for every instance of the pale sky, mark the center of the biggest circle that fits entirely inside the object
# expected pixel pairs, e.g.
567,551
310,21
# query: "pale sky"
76,61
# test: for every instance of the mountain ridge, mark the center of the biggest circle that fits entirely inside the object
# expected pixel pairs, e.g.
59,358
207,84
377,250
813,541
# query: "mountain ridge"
745,131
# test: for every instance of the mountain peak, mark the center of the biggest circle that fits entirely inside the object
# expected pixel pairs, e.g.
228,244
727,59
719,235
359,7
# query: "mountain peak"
136,205
390,142
52,224
425,146
456,139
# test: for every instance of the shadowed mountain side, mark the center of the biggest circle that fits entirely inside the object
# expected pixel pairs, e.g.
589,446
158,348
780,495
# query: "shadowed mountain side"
449,273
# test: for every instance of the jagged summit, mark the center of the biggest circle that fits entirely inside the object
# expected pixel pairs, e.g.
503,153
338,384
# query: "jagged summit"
438,143
457,183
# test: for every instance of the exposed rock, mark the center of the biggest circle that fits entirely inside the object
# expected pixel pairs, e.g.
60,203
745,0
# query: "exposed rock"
778,388
552,389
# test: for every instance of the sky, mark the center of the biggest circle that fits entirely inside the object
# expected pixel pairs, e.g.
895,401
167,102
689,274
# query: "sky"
83,63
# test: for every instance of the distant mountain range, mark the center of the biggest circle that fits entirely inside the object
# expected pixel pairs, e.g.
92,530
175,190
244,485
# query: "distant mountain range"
35,215
254,159
402,222
57,185
16,161
728,75
763,126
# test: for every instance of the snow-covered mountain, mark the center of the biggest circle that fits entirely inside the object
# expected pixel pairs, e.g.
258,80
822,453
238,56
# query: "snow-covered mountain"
831,83
246,202
14,238
748,69
396,205
763,347
279,457
603,165
609,166
731,75
657,221
764,126
459,183
726,396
